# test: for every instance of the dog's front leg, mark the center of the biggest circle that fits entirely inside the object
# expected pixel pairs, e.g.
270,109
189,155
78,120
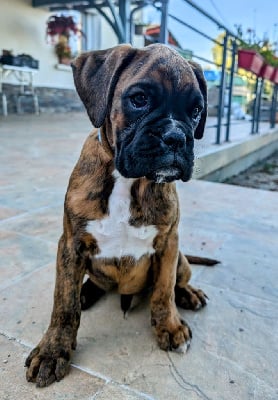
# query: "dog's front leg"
171,331
50,360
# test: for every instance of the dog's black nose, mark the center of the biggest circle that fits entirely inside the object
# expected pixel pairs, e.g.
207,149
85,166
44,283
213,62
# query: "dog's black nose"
174,138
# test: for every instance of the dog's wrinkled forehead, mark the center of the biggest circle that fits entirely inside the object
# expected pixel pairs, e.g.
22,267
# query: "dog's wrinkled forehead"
162,65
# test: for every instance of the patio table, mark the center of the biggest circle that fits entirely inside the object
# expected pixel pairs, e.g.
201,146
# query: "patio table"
24,75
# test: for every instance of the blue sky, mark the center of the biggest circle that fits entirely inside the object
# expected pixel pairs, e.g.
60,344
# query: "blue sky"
261,15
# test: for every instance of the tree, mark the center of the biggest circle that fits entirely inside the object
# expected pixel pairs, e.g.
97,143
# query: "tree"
217,51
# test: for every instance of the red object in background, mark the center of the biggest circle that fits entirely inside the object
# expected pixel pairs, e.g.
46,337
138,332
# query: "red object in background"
266,71
274,76
250,60
154,32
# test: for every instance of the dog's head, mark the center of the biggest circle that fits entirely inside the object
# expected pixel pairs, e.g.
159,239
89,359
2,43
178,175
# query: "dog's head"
152,104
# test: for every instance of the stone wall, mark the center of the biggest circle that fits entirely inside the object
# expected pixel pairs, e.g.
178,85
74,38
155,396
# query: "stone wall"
50,100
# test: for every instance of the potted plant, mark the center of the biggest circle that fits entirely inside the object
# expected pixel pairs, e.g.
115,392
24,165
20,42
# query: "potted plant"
257,56
63,51
249,57
274,77
61,25
250,60
59,28
266,71
271,60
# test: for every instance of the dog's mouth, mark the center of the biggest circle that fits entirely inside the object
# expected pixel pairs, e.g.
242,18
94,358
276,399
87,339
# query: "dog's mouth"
165,175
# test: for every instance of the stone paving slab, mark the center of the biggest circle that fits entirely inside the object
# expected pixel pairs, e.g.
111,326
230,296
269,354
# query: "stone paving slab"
14,386
20,255
234,350
243,224
43,223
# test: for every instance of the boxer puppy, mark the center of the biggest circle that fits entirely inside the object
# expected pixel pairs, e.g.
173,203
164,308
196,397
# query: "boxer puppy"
121,209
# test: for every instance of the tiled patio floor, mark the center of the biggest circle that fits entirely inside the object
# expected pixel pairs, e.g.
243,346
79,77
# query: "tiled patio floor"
235,338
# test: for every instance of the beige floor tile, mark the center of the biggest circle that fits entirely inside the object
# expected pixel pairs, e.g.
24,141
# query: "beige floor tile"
20,255
78,385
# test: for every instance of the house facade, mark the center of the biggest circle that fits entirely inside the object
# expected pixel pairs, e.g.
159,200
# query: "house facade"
23,31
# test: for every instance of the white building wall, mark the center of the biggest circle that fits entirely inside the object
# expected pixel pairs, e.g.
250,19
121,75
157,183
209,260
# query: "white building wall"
107,36
22,30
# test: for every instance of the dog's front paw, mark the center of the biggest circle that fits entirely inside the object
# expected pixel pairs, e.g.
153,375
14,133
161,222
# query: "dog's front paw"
190,298
49,361
173,336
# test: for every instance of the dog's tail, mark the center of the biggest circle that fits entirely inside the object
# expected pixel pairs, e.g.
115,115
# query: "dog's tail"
201,260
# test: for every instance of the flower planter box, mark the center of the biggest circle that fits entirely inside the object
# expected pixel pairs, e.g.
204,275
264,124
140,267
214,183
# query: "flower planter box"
65,60
266,72
250,60
274,76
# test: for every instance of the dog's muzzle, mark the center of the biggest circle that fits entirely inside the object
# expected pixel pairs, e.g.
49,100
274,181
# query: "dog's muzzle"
180,167
161,153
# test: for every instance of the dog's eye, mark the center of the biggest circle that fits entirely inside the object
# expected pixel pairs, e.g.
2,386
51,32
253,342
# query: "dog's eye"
139,100
196,113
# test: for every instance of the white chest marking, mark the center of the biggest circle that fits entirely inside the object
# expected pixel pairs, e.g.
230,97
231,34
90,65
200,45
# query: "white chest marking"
114,235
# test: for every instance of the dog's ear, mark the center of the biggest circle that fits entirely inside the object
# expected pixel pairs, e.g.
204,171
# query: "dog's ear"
96,74
199,132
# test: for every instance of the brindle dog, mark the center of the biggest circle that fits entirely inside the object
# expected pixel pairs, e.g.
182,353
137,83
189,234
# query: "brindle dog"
121,209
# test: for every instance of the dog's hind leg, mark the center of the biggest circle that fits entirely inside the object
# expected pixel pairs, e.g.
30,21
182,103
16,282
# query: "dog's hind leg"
126,300
187,296
90,294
